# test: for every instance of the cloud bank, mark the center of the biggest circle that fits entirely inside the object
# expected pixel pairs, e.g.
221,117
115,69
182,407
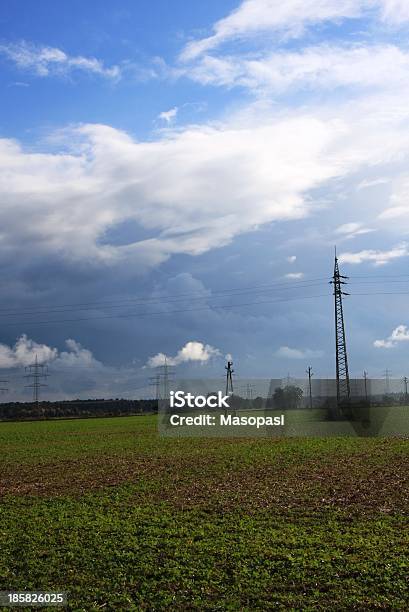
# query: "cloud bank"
190,191
25,350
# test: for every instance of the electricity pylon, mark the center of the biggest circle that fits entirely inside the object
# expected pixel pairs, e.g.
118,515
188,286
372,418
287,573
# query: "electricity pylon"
37,372
162,381
155,383
343,386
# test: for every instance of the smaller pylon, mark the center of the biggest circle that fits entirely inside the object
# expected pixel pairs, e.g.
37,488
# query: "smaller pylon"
310,375
36,371
366,385
405,382
387,376
155,383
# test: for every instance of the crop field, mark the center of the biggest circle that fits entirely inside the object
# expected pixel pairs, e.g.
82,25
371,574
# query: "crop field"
122,519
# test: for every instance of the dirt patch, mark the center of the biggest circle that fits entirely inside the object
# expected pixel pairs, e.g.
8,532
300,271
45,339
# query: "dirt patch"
360,483
74,476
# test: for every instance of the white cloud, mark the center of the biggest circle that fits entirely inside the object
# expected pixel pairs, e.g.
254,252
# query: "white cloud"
399,201
254,16
394,212
399,334
348,228
168,116
45,61
25,350
378,258
290,19
320,67
293,353
207,183
77,355
292,258
192,351
366,183
351,230
294,275
395,12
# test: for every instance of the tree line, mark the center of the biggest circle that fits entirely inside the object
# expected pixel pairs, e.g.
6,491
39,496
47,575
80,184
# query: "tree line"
19,411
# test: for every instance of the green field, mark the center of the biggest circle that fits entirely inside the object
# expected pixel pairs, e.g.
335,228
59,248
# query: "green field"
122,519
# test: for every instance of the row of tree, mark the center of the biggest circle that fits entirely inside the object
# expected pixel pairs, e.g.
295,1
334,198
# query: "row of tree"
75,409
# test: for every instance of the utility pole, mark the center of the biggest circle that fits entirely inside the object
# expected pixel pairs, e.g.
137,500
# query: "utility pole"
365,385
387,374
310,375
405,382
229,378
343,386
37,372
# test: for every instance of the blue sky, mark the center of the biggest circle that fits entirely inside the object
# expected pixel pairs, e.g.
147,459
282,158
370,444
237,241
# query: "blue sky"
157,159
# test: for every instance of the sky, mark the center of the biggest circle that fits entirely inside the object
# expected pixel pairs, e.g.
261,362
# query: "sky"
174,178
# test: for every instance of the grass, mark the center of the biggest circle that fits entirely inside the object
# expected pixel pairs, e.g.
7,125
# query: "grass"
124,519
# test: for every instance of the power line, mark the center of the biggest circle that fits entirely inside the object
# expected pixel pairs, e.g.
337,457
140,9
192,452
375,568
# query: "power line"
208,307
3,389
262,288
164,299
181,298
144,314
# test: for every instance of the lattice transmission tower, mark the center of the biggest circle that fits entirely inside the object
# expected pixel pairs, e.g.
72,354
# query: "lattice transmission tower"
37,372
343,385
